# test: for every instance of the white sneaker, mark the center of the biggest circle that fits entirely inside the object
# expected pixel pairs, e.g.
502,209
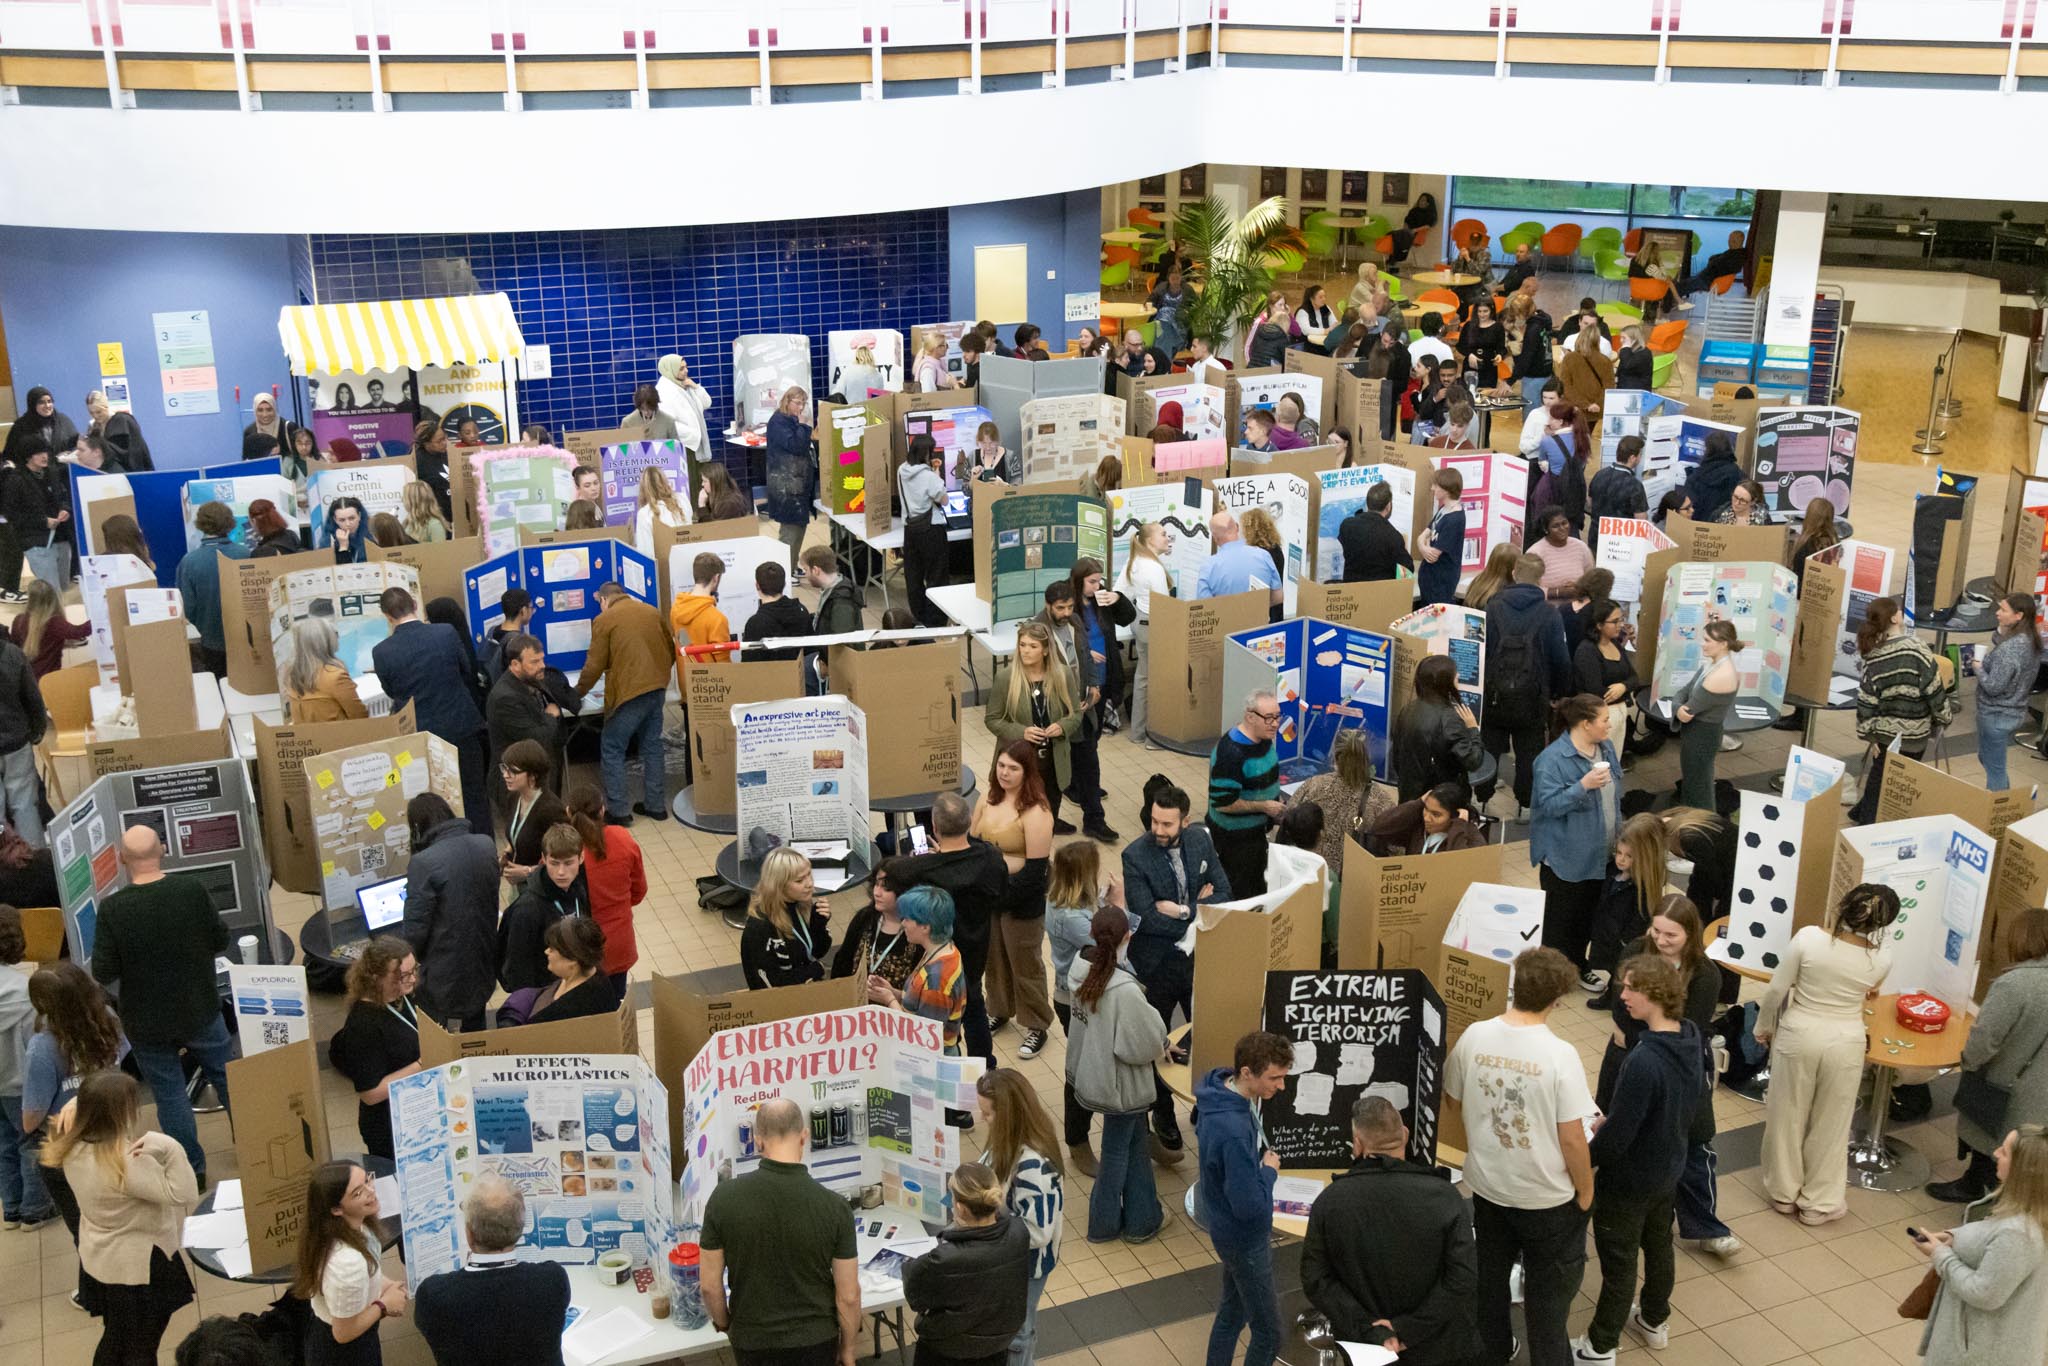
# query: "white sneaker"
1515,1283
1584,1355
1727,1245
1684,305
1657,1338
1730,743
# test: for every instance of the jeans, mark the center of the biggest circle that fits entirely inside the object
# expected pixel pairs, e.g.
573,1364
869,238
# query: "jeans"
1625,1227
1125,1202
51,564
1024,1346
21,1180
1992,738
24,793
1697,1194
1532,390
163,1072
636,718
1527,741
1248,1298
1552,1245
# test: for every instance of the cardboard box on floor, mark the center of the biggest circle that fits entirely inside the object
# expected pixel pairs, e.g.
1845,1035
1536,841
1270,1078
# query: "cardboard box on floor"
1231,962
281,754
667,538
710,691
1185,674
1913,789
245,614
917,687
356,798
618,1032
1368,606
982,505
280,1137
1392,912
440,564
684,1022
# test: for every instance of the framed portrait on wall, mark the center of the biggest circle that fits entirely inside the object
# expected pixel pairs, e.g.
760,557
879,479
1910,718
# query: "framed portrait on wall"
1272,181
1394,187
1357,187
1152,187
1194,180
1315,187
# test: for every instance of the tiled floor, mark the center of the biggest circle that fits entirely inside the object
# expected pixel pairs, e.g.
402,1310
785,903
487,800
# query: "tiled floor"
1793,1295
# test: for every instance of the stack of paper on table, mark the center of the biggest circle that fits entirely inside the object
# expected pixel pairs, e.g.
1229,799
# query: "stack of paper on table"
591,1339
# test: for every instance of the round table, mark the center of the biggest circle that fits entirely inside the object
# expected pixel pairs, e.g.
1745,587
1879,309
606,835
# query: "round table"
337,945
1125,310
390,1227
1444,279
1124,237
1346,226
1877,1162
860,866
684,809
896,811
1747,712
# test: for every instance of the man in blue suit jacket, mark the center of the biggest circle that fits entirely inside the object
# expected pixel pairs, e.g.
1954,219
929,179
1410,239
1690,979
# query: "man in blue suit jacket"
430,665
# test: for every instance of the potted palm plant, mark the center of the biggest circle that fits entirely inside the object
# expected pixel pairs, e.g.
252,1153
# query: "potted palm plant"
1234,263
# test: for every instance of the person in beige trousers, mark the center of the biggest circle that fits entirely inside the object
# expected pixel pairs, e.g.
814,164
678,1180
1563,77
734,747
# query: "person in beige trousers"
1812,1018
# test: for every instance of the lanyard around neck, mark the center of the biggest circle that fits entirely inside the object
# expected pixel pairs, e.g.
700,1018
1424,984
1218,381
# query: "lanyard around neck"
408,1017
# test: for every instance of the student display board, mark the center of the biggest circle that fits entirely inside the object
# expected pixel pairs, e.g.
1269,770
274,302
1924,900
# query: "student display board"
874,1083
1201,409
1459,634
1327,678
1866,570
1068,435
1034,540
1286,498
1804,453
156,500
1673,444
373,408
379,485
1941,868
281,782
205,814
622,466
97,575
952,430
1759,599
525,486
918,688
562,581
765,366
885,349
1627,412
1783,860
357,797
1343,493
1626,544
1496,503
801,771
1355,1034
1182,508
844,437
583,1137
742,555
921,335
345,594
1261,392
236,494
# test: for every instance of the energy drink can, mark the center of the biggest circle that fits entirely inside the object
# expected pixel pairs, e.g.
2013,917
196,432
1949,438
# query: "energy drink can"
746,1136
821,1127
842,1125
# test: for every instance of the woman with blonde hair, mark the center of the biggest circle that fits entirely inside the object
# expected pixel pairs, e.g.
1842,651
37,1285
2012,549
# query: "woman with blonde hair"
657,503
315,683
1991,1306
1497,575
133,1195
787,933
43,631
931,373
970,1291
1627,901
1144,573
859,379
422,520
1021,1152
337,1271
1033,700
1262,531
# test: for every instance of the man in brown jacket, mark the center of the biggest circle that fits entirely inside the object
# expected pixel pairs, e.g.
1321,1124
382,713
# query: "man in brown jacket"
630,651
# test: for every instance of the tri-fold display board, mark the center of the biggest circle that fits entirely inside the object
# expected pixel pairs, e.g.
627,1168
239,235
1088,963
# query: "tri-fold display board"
563,581
1495,501
1783,860
801,770
524,486
624,465
1285,498
1343,492
1328,678
1185,673
156,500
379,485
1068,435
357,799
1804,453
346,595
1181,507
1758,599
1036,538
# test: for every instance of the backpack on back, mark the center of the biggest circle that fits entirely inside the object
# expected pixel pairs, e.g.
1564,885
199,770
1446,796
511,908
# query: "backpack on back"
1514,680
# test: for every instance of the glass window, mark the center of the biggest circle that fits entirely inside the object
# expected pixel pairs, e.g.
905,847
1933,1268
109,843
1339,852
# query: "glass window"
1504,192
1713,201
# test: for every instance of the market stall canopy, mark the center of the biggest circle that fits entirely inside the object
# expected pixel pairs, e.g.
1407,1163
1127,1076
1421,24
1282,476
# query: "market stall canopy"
397,334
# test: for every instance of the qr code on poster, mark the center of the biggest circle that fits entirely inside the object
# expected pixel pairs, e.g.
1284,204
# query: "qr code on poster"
373,858
276,1033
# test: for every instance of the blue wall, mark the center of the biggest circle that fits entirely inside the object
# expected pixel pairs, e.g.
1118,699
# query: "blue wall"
1060,232
611,303
62,292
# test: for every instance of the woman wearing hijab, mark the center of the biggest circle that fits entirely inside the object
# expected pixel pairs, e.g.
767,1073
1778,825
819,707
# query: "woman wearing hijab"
120,431
1168,427
267,433
41,418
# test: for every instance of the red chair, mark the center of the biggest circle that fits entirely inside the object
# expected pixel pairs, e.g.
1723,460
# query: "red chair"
1114,253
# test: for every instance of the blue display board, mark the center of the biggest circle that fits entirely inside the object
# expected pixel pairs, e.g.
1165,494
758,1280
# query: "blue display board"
563,580
1328,678
159,497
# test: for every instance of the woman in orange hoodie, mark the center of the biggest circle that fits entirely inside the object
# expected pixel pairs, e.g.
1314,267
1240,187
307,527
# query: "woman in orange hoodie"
616,876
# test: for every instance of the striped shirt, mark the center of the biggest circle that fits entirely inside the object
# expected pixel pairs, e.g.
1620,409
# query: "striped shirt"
937,990
1241,770
1901,695
1036,1198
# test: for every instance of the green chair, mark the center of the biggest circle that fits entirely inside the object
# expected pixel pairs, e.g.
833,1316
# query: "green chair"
1393,284
1615,308
1150,332
1516,238
1118,274
1660,369
1286,261
1375,228
1605,237
1610,265
1317,235
1414,334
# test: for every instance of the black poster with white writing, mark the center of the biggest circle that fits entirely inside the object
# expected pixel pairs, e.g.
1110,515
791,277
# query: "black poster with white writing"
1354,1034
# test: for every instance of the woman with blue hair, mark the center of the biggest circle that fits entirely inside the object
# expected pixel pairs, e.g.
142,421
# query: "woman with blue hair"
937,989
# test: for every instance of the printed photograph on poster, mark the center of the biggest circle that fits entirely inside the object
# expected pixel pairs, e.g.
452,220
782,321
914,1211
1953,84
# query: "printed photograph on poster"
463,394
378,487
347,595
1343,493
375,409
1068,435
801,769
1037,538
1262,392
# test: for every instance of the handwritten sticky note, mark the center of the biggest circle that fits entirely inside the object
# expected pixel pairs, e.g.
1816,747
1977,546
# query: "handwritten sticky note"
327,868
325,777
404,757
376,820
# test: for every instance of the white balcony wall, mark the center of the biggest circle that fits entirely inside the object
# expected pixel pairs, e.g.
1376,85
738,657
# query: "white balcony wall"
307,27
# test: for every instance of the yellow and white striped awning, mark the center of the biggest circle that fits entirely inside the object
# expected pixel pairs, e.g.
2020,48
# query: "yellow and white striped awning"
397,334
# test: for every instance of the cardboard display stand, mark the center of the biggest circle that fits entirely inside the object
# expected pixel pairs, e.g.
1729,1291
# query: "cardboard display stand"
884,346
1818,631
1373,606
711,689
2020,880
357,798
156,500
667,538
981,508
1201,408
1343,492
156,669
801,770
347,595
1941,868
1356,1033
1393,912
246,616
1236,944
1286,498
765,366
1357,403
918,688
1006,384
1938,554
1182,507
1624,550
104,757
856,465
587,447
624,465
524,486
379,485
1036,540
1459,634
280,1134
1628,412
281,752
1184,704
617,1032
563,581
1328,678
1251,392
98,574
1068,435
441,565
1783,860
1325,372
204,813
1913,789
1803,453
1495,500
1758,599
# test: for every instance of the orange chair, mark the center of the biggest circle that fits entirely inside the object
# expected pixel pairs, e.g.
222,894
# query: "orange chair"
1385,246
1143,218
1437,296
1633,243
1421,238
1561,240
1644,290
1466,231
1115,253
1723,283
1500,303
1667,337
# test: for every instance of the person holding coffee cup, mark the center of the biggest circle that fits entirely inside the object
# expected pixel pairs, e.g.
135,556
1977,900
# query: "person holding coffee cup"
1574,813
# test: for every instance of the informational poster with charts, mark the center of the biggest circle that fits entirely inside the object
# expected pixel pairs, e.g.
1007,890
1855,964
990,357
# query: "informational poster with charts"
801,770
378,486
357,797
1068,435
1328,678
766,365
742,555
373,408
96,575
1285,498
1459,633
468,393
529,486
1626,544
623,466
1759,599
1941,868
1182,508
952,430
1355,1034
1674,442
583,1137
885,354
345,594
1869,567
1628,412
273,1006
884,1103
1201,409
236,494
1034,540
1804,453
1343,493
1496,503
1263,391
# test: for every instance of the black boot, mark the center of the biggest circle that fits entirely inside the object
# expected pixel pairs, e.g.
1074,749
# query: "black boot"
1974,1184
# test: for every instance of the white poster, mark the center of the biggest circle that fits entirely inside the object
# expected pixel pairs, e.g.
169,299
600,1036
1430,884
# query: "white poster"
1285,497
1263,391
1940,867
1496,503
1343,493
1459,634
1186,525
737,597
765,365
801,768
379,488
1201,409
1068,435
1767,874
1626,545
272,1005
885,354
1869,567
96,575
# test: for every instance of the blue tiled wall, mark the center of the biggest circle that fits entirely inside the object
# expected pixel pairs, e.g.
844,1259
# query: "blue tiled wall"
611,303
